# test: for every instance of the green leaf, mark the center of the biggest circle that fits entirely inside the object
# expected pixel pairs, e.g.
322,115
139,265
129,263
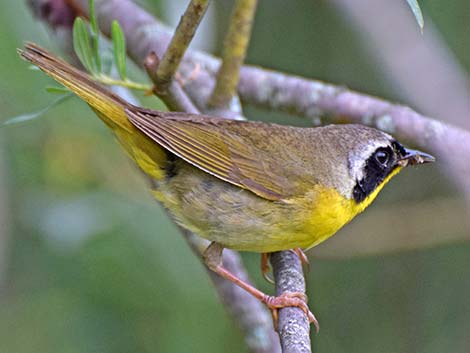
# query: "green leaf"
81,45
93,21
417,13
31,116
119,48
57,89
95,34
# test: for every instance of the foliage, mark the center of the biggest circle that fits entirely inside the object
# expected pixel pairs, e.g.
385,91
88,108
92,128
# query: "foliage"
86,42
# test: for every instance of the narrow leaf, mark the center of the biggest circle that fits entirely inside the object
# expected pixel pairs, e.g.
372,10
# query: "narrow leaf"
95,34
119,48
31,116
81,45
417,13
93,20
57,89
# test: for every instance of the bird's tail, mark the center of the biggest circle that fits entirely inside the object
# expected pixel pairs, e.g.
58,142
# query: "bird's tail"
110,107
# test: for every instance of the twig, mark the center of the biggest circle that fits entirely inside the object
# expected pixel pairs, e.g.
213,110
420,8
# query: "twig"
294,328
173,96
183,35
235,47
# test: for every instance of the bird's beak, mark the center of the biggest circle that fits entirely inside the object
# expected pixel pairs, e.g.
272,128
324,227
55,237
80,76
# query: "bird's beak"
413,157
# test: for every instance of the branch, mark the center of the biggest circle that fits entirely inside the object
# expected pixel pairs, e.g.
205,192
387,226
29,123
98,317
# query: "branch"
183,35
173,95
293,327
311,99
233,56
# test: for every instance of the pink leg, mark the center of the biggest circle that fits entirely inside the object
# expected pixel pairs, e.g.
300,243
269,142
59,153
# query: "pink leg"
213,259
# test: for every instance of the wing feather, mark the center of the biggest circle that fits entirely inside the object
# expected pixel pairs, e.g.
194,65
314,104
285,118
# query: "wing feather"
207,145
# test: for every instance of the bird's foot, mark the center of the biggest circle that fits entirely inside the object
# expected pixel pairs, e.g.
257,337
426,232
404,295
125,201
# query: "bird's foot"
289,299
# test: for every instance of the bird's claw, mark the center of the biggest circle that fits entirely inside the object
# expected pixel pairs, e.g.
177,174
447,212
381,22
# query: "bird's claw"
265,268
290,299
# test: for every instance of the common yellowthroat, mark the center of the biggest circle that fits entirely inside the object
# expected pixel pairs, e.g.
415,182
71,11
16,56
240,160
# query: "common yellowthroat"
246,185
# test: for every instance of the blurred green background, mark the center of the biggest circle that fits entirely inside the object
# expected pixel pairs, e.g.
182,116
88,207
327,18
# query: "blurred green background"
89,263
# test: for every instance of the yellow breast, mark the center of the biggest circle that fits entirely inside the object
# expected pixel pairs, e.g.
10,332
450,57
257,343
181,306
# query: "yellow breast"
330,211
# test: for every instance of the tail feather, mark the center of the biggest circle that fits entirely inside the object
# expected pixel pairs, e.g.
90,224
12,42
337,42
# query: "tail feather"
110,107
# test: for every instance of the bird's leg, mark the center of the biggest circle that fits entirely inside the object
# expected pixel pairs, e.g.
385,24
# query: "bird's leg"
265,268
303,258
213,259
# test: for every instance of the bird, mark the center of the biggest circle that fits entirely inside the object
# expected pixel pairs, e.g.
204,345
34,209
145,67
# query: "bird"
246,185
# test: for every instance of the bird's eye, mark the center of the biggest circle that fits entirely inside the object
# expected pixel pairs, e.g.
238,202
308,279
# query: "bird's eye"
382,157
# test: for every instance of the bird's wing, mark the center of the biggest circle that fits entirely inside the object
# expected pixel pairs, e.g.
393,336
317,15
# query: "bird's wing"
206,143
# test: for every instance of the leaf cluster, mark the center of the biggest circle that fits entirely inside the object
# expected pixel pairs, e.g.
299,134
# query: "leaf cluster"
86,44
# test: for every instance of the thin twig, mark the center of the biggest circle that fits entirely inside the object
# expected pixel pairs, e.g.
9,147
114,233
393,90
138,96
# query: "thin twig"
173,96
183,35
234,52
293,327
